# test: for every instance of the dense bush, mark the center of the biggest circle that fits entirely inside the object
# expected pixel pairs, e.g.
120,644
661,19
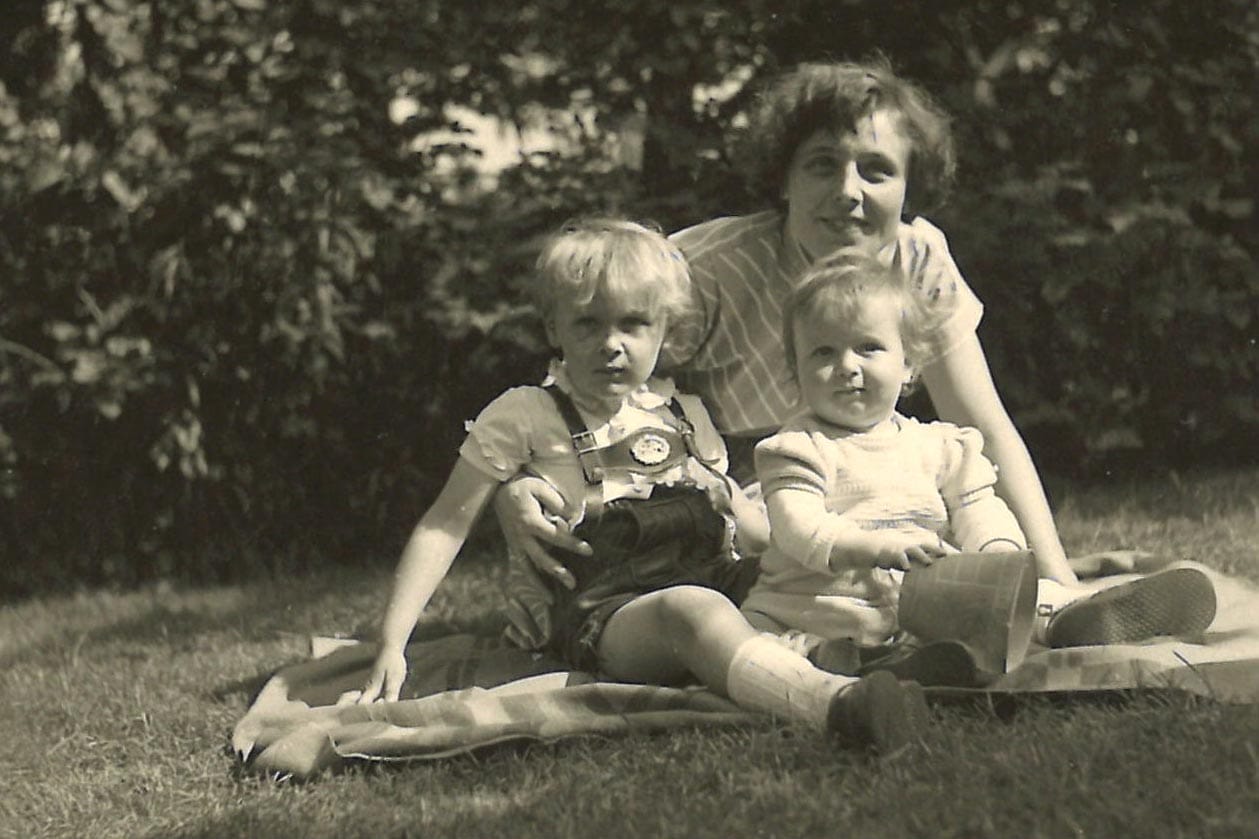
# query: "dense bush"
232,299
1114,237
249,297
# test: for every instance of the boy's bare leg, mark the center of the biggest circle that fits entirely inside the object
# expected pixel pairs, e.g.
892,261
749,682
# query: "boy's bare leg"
673,635
669,634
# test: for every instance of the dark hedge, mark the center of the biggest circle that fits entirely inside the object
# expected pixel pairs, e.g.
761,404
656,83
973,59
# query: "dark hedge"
244,314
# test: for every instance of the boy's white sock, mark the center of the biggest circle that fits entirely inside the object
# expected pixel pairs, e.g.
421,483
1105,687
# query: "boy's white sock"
766,676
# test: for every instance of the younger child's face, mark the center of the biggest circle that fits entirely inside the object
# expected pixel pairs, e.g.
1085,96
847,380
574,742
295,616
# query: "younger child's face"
609,345
851,371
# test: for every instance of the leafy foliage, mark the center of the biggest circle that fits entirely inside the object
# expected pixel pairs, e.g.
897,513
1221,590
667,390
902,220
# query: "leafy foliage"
1119,226
254,278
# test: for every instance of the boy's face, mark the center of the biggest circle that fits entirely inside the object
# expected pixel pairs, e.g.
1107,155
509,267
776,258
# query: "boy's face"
609,345
851,370
848,187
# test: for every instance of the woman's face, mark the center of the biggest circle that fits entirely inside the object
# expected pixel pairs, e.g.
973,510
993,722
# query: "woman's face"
848,187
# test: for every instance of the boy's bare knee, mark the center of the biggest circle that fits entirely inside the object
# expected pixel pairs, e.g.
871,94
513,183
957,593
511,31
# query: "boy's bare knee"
686,608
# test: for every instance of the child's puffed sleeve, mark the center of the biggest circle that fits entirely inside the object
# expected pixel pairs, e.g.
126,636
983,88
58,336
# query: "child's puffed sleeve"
499,441
978,518
790,460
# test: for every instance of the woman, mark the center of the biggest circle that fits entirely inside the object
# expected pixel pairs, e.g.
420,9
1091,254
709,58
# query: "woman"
847,154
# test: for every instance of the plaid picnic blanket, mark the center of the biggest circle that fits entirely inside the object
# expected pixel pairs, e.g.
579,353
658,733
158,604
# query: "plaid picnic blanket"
465,692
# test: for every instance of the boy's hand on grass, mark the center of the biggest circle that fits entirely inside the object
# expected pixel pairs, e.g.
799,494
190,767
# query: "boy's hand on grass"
388,674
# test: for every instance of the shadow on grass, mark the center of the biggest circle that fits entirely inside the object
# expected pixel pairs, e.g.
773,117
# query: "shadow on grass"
492,791
517,788
377,817
163,619
1007,707
1190,493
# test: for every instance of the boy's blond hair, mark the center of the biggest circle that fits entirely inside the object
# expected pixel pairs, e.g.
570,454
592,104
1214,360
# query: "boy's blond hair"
587,256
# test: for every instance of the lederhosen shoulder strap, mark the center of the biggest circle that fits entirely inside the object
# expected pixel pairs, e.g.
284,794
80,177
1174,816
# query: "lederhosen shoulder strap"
648,450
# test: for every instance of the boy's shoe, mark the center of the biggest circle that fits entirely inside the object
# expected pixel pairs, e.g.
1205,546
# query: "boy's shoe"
1177,601
935,664
837,655
879,712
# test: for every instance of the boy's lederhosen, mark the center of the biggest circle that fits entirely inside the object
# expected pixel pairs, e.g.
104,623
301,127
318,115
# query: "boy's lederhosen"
676,536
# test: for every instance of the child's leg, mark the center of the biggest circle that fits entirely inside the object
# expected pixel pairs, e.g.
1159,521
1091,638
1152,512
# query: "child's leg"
663,636
1177,601
674,633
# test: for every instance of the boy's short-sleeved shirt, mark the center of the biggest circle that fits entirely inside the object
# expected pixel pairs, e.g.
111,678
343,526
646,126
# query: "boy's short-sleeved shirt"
522,431
731,355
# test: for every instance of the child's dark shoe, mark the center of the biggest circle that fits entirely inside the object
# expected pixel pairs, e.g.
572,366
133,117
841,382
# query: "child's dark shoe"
935,664
1177,601
879,712
841,655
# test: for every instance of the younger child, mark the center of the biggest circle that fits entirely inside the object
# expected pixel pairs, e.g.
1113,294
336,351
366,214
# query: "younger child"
858,494
642,472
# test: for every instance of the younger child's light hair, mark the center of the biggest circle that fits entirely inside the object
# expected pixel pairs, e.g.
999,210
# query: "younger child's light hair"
839,285
587,256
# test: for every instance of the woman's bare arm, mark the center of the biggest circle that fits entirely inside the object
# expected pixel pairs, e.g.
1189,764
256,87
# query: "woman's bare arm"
962,390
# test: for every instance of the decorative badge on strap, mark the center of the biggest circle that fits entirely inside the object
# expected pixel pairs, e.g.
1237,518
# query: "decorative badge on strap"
650,449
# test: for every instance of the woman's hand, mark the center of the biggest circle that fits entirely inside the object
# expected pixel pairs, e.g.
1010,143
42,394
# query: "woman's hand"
388,674
751,520
532,515
961,388
1120,561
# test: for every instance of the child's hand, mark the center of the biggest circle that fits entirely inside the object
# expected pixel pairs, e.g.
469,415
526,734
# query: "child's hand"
388,674
904,551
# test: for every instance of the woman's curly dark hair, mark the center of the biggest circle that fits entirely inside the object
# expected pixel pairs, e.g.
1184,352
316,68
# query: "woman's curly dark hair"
836,96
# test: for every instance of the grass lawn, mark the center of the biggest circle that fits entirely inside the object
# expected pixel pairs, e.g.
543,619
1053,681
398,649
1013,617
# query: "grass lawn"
115,709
